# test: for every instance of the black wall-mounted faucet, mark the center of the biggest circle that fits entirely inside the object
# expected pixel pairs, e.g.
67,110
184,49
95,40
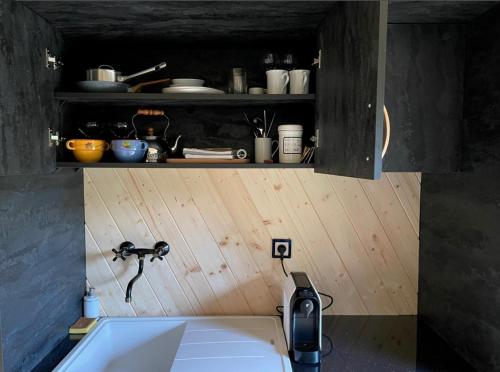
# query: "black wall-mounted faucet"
128,249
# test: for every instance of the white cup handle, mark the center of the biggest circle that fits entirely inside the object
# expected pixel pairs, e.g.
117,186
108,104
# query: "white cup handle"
287,80
276,149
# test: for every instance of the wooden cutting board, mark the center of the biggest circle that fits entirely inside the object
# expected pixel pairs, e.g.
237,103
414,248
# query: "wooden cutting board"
208,161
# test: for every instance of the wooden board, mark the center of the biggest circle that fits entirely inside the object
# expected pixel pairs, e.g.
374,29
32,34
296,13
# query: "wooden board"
220,223
208,161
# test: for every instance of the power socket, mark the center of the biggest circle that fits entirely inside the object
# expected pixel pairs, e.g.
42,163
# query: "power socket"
288,248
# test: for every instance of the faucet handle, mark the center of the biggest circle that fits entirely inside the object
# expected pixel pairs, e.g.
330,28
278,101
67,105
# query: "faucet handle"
118,254
156,255
161,249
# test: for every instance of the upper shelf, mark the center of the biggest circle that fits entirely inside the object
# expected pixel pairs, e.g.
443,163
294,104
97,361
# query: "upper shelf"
183,99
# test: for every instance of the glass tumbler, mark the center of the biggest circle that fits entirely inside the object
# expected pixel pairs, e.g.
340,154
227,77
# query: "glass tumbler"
237,81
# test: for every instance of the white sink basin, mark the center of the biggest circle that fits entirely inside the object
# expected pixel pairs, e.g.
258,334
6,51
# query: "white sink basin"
233,343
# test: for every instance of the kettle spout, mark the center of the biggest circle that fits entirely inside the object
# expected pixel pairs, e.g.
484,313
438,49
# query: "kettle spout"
176,143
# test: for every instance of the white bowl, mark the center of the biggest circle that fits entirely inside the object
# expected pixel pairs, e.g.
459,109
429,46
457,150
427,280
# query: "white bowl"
188,82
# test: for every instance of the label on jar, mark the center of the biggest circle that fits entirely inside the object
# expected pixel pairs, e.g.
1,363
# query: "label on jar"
292,145
153,155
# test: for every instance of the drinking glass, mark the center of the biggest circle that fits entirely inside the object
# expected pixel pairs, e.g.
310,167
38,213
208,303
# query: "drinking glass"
237,81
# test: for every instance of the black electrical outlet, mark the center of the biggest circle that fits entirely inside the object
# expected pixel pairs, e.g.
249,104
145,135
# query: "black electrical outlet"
286,243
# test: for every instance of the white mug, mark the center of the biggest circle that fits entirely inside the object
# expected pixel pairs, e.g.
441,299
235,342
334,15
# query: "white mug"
277,81
299,81
290,143
263,149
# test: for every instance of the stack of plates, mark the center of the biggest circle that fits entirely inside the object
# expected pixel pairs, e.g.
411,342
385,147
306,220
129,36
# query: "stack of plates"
190,86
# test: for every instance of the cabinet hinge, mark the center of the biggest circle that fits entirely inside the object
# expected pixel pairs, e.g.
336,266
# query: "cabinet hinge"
315,138
54,138
317,61
51,61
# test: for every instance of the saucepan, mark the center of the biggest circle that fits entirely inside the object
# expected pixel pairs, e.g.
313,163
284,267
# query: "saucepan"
106,79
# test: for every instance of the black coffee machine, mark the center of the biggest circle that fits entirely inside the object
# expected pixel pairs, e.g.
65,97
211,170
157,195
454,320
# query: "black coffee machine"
302,319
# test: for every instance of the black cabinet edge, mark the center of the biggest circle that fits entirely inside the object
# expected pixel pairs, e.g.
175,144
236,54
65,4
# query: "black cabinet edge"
77,165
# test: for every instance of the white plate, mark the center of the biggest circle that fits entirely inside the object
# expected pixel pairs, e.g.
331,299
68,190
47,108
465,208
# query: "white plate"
183,89
188,82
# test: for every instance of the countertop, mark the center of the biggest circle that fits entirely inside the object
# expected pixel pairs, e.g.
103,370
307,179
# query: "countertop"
358,343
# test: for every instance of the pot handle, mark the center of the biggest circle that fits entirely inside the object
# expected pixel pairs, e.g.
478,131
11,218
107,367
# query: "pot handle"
145,145
69,145
143,72
138,87
106,146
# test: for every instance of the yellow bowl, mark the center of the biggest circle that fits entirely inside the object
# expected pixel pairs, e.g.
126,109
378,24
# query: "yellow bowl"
87,150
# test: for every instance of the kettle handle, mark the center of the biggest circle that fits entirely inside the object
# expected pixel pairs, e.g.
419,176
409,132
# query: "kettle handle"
147,112
151,112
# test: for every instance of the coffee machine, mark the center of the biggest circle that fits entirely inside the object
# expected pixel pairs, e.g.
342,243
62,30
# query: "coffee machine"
302,319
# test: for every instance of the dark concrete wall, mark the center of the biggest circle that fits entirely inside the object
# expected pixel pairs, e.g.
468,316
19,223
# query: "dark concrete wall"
42,266
459,288
482,94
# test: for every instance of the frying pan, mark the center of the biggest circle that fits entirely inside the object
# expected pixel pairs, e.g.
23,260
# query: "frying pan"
106,79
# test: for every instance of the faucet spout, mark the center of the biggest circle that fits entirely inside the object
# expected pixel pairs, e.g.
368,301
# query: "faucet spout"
128,297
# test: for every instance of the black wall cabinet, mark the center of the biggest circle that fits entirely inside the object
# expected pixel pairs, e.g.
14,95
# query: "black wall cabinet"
422,87
350,90
423,94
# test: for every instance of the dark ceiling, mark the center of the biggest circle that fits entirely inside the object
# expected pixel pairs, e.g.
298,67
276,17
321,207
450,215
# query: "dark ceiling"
229,20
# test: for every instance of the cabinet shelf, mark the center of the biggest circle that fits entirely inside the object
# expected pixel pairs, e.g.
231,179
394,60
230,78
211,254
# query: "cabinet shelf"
75,164
180,99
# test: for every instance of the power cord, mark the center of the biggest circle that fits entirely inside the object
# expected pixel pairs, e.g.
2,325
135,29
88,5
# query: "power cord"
329,297
281,250
283,267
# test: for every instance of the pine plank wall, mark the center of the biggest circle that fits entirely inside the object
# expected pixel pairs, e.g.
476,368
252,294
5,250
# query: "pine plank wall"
357,239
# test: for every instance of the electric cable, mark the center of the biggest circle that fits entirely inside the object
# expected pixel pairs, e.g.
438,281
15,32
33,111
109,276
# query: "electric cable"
320,293
283,267
329,297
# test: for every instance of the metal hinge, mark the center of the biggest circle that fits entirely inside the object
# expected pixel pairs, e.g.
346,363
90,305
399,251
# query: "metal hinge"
317,61
315,138
54,138
51,61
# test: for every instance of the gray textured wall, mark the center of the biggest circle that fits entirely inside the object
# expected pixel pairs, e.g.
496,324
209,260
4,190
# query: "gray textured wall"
42,265
459,288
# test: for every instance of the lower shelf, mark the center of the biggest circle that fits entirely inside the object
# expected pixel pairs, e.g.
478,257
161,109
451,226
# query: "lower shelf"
177,165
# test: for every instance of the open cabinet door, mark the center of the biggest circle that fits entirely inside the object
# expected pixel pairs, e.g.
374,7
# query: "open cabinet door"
350,90
27,109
